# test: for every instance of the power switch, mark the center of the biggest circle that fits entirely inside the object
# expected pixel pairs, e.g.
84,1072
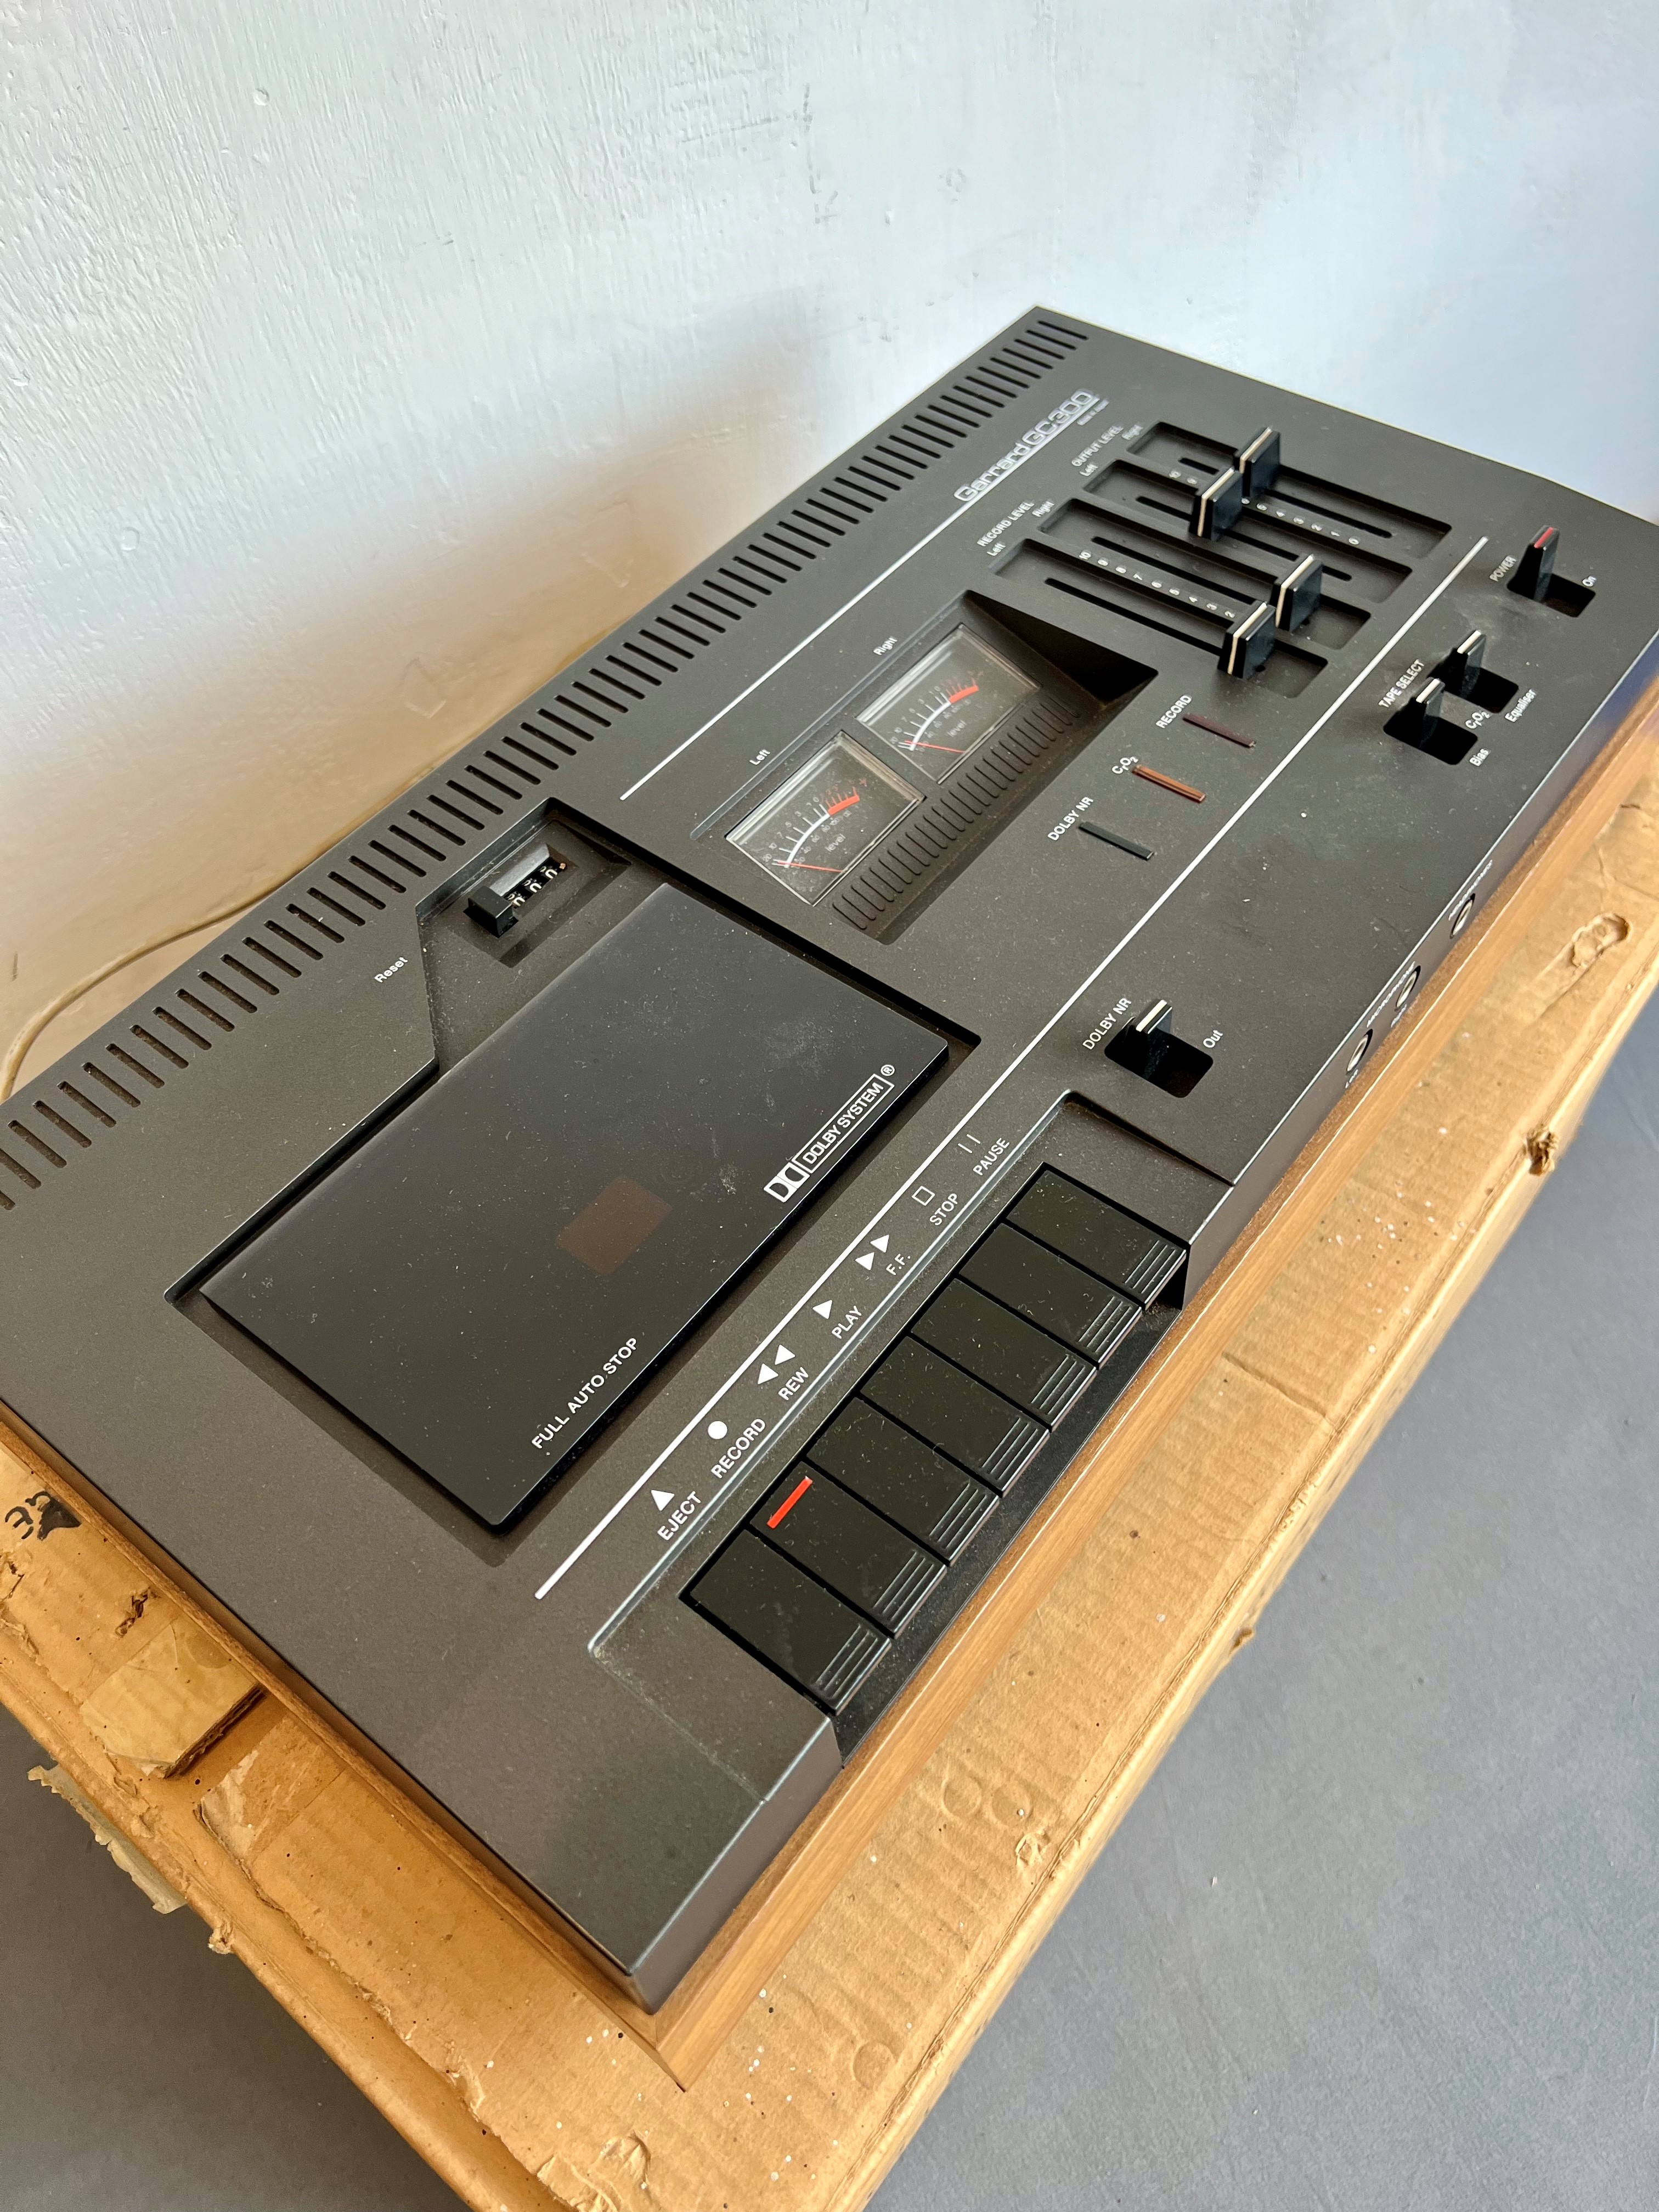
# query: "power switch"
1531,580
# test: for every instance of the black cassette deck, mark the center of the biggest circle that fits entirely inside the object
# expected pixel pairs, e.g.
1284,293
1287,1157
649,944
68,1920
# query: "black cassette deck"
591,1275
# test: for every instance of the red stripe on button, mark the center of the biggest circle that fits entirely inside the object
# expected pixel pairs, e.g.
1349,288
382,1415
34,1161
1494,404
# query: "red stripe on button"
791,1501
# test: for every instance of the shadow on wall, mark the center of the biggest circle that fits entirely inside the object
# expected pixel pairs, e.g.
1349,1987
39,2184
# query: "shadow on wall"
354,691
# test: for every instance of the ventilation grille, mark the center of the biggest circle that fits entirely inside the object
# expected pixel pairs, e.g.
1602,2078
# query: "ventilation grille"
646,656
44,1134
426,840
937,835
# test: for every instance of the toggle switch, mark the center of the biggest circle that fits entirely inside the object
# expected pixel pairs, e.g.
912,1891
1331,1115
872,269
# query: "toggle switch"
1258,463
1531,580
1218,504
1535,578
1418,722
1460,669
1299,592
1465,675
1246,645
1152,1049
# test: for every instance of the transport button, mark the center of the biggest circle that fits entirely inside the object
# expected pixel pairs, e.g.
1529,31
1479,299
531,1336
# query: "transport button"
1017,1360
1097,1235
793,1622
860,1557
990,1438
929,1496
1079,1309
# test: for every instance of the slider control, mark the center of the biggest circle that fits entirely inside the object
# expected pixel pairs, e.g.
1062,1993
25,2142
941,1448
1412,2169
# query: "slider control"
1531,580
1246,645
1258,463
1218,504
1298,592
1461,665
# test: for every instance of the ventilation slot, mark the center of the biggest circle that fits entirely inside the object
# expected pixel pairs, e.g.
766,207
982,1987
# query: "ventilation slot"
356,890
393,860
208,1013
51,1115
432,852
483,776
455,813
137,1067
212,983
433,828
81,1099
36,1143
29,1182
163,1051
310,922
240,968
264,952
178,1029
345,913
531,752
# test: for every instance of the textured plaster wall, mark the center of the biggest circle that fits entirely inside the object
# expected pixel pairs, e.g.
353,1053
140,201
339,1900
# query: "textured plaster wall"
361,359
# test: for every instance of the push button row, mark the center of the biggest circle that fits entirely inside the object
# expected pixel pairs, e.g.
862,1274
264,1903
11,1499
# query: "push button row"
834,1562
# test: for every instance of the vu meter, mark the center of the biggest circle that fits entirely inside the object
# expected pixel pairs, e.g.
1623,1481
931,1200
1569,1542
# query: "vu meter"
827,817
948,703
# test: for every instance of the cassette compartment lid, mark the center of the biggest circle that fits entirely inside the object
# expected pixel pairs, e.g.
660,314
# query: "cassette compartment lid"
489,1278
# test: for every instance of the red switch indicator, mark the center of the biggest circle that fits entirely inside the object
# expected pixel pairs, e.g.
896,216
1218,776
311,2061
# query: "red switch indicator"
791,1502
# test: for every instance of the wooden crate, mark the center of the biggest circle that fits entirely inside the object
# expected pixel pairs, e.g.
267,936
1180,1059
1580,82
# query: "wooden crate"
848,1988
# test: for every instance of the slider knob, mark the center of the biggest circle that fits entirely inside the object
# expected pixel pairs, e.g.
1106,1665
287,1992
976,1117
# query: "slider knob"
1532,579
1218,504
1246,645
1258,463
1298,592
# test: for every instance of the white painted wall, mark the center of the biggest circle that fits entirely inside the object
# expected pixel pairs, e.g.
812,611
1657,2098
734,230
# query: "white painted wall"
361,359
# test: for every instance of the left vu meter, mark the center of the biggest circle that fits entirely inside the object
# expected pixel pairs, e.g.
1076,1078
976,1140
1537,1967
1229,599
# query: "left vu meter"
828,815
